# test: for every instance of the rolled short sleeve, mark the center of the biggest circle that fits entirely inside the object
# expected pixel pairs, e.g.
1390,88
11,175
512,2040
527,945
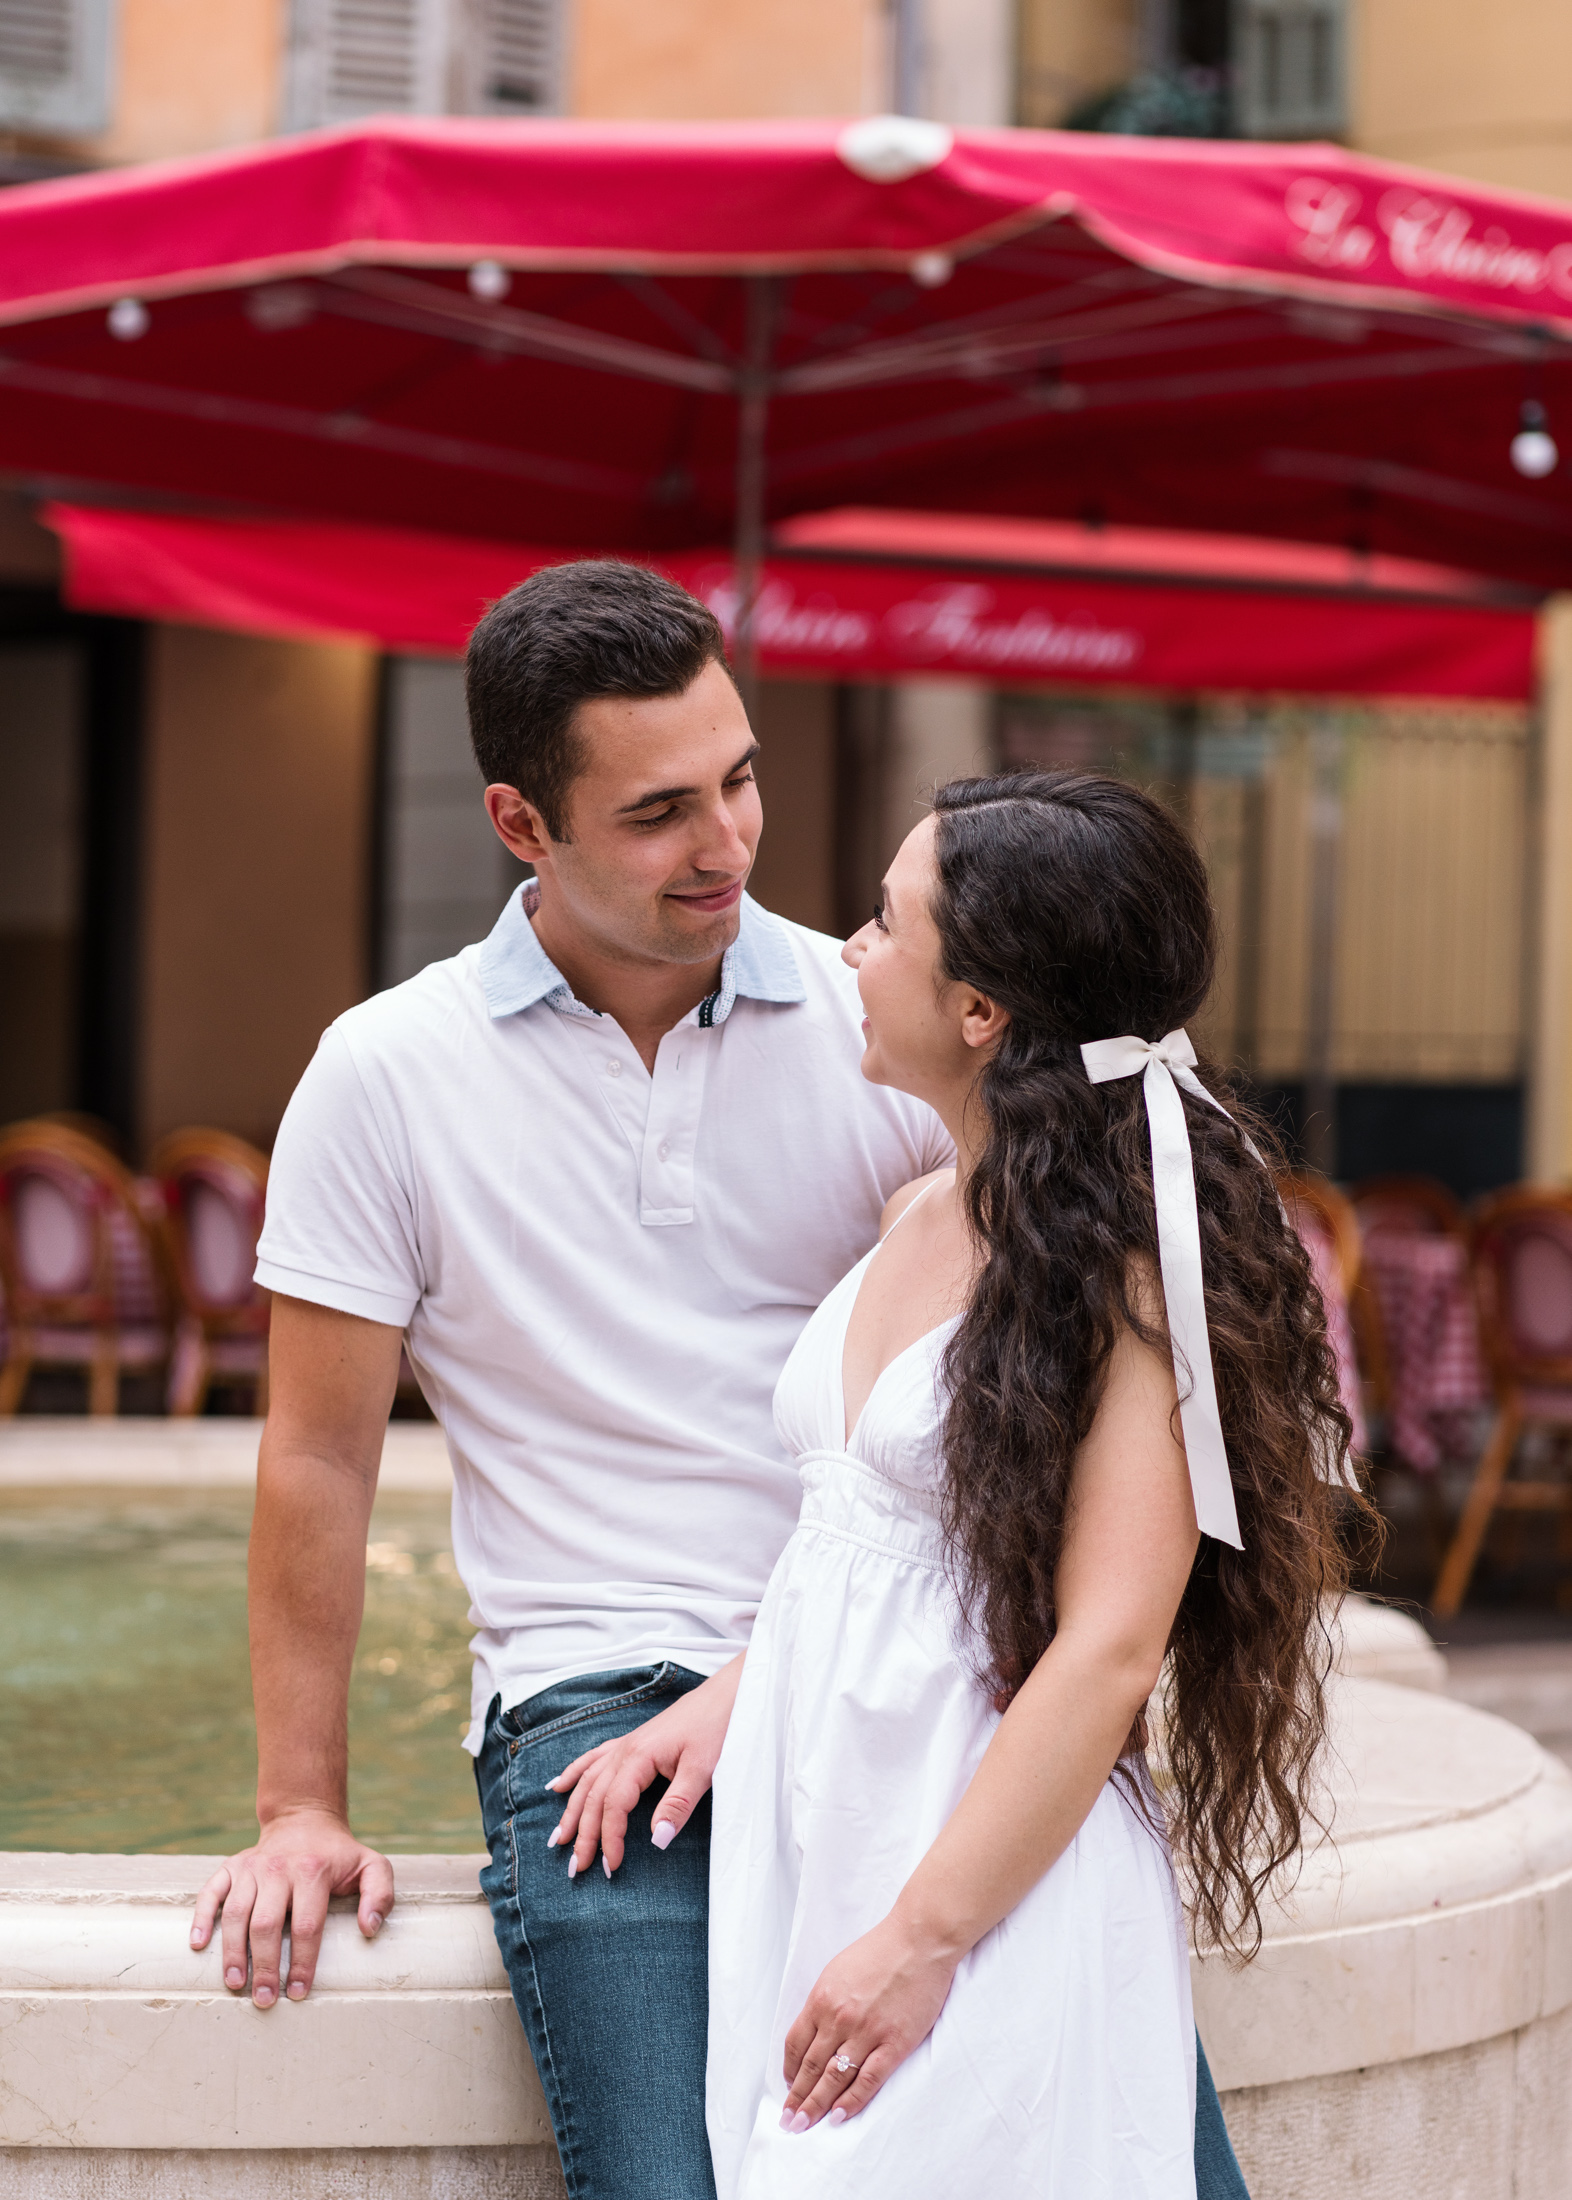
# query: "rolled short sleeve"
340,1228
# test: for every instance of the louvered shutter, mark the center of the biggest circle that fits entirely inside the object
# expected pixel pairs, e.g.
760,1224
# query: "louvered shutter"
367,57
1289,68
508,55
55,64
518,41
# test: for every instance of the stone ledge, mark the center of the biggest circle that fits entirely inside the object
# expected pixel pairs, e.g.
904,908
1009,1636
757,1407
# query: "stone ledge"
113,2033
69,1451
283,2173
1442,1919
1442,1916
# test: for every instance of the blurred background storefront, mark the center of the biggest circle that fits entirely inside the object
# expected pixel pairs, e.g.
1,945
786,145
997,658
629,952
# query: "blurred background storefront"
212,843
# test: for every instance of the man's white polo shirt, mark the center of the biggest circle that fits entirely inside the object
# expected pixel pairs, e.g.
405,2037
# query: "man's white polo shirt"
600,1272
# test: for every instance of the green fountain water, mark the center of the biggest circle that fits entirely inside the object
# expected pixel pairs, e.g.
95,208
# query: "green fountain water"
125,1700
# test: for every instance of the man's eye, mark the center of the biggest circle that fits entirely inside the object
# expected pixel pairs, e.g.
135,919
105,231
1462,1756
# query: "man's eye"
643,824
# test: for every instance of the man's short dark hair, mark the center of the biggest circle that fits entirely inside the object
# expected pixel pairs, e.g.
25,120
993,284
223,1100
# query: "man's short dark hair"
566,636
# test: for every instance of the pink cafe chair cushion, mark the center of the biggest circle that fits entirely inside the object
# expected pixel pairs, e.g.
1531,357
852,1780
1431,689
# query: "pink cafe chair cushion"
54,1237
1537,1288
221,1244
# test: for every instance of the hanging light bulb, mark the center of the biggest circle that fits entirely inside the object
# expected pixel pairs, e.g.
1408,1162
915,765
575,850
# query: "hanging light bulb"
128,319
1534,452
932,270
489,279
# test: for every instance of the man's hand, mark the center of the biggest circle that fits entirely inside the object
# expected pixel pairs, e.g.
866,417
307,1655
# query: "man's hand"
681,1745
300,1862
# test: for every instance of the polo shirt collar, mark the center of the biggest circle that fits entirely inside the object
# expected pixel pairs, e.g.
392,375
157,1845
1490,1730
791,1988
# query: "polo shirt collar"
516,971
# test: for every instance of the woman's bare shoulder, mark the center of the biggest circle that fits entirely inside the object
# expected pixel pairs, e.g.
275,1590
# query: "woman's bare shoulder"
898,1202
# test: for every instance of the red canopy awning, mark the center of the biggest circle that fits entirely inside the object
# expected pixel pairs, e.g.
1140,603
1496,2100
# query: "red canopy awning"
549,331
1319,627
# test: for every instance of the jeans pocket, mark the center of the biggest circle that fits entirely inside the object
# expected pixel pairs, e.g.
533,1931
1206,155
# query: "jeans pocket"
499,1877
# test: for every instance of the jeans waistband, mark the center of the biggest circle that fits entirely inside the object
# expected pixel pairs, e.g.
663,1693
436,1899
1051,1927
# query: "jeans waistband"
593,1691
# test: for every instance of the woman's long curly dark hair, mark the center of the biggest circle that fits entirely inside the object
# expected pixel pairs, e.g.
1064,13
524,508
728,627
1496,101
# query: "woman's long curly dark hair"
1079,904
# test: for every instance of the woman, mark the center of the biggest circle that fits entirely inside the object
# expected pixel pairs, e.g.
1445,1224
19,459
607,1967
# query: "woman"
947,1951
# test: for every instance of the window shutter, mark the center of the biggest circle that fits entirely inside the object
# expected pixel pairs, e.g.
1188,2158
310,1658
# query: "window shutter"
518,57
55,64
366,57
1289,67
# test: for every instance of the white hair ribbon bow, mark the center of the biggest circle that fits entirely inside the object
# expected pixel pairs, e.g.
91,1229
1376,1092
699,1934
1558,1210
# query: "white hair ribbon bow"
1162,1069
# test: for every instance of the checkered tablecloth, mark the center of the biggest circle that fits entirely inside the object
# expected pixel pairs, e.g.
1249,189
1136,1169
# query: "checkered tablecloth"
1436,1374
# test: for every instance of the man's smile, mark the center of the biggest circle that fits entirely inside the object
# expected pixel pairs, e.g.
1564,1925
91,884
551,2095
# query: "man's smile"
712,901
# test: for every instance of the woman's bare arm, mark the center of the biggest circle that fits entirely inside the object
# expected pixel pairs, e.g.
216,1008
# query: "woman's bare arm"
1130,1541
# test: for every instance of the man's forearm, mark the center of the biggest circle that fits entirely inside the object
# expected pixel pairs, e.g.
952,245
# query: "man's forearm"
307,1591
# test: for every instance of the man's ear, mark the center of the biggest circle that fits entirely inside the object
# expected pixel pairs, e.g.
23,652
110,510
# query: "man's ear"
519,825
984,1022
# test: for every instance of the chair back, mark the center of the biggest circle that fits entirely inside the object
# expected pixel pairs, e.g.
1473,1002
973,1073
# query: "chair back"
73,1246
214,1188
1414,1206
1325,1219
1522,1251
1329,1229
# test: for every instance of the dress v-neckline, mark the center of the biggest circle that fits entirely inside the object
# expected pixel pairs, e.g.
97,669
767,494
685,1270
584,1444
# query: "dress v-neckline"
849,1435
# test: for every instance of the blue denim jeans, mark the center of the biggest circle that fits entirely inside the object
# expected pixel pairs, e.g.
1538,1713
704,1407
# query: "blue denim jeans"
611,1978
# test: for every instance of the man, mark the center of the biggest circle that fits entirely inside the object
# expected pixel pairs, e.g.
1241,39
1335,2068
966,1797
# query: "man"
598,1171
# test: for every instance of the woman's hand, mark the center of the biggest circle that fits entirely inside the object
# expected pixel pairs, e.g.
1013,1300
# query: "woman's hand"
878,2000
681,1745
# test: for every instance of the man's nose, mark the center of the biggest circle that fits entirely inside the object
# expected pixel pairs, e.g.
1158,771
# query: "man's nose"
721,847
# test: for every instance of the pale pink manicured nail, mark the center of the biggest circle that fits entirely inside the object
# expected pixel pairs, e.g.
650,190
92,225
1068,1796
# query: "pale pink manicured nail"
800,2121
664,1835
573,1866
553,1837
837,2114
785,2119
605,1865
551,1785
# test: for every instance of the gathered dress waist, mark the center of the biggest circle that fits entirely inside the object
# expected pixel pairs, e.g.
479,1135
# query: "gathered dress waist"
844,1497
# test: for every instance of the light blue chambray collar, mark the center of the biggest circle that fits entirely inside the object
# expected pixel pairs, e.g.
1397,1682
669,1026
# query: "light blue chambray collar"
516,971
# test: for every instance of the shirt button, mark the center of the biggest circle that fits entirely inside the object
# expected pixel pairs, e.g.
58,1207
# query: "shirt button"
665,1149
613,1069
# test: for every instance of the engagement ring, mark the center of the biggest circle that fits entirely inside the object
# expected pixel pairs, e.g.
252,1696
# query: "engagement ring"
842,2063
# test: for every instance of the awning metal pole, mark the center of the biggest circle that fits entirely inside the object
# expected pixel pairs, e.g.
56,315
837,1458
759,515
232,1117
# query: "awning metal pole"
753,407
1326,834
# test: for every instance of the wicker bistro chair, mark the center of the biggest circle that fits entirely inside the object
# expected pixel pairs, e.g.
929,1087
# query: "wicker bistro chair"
77,1265
1417,1206
213,1188
1409,1206
1522,1248
1325,1220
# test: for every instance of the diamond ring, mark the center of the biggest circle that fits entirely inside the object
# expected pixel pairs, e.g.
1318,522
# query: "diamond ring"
842,2063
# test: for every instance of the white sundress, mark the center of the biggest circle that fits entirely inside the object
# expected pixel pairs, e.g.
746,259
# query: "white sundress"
1062,2065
